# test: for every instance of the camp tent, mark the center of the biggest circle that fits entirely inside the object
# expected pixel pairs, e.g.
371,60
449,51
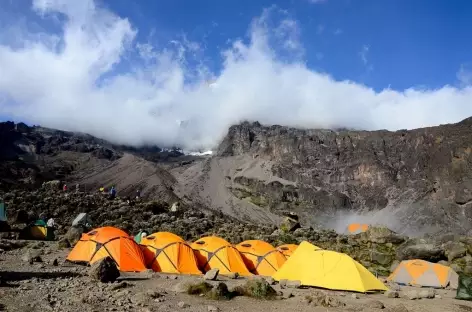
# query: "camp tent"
168,253
464,288
327,269
37,231
424,274
108,241
139,236
356,228
260,257
3,213
214,252
287,249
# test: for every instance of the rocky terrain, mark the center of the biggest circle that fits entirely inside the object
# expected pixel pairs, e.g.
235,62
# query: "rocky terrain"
414,182
35,277
379,249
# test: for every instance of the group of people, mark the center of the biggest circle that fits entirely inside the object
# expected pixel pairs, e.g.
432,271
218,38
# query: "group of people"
103,190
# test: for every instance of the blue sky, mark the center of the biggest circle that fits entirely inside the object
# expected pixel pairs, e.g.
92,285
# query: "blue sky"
366,64
410,42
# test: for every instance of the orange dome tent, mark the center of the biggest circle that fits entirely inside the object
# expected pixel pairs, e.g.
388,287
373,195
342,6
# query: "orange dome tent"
356,228
260,257
287,249
425,274
216,253
108,241
168,253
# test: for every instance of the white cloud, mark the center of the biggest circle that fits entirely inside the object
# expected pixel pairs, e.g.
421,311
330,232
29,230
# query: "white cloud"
338,31
363,53
92,79
320,29
317,1
464,75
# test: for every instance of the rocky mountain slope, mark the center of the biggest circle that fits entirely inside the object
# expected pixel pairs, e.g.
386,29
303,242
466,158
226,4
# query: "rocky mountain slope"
414,181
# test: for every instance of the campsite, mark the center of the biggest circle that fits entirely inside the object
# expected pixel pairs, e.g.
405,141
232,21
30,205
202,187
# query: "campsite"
179,267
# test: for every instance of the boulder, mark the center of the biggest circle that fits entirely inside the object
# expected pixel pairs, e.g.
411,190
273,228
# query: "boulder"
220,292
427,294
374,304
293,284
183,305
382,235
289,224
411,294
74,234
419,248
32,255
211,275
323,300
381,258
104,270
454,250
392,294
270,280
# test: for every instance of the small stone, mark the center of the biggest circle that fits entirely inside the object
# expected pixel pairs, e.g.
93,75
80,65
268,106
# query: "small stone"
283,283
270,280
375,304
293,284
183,305
211,275
213,309
437,296
427,294
286,294
173,277
233,275
153,294
119,285
392,294
354,296
55,262
32,255
412,295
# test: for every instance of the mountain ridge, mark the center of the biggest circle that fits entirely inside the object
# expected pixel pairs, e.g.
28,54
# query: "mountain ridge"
414,181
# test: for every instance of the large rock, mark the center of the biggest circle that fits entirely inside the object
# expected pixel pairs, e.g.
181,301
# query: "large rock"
74,234
104,270
32,255
289,224
419,248
454,250
211,275
382,258
382,235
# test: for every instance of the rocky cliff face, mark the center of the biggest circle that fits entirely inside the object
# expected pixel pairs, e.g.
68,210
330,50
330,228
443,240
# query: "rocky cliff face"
417,180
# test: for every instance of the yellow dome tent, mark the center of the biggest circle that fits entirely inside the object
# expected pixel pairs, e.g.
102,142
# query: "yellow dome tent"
260,257
168,253
424,274
327,269
216,253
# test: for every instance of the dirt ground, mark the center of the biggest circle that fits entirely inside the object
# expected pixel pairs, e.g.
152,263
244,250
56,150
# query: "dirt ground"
44,286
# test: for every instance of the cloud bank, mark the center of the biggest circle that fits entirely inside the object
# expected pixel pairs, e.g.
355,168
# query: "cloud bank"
95,77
